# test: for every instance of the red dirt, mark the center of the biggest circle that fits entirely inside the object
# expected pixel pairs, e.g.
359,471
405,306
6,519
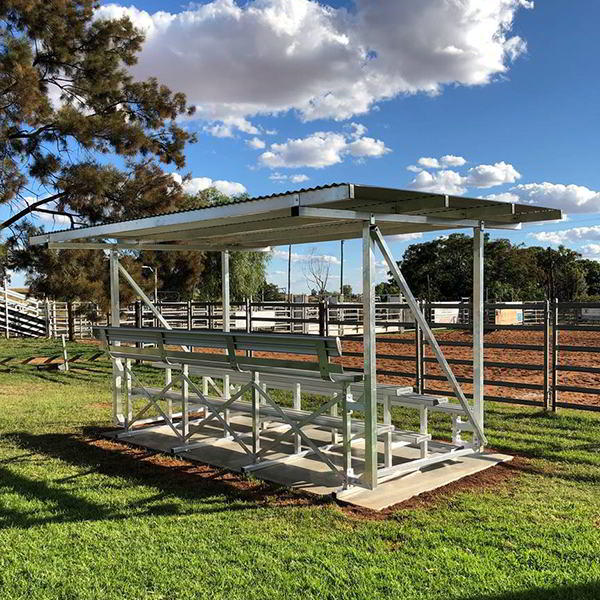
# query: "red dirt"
583,338
161,469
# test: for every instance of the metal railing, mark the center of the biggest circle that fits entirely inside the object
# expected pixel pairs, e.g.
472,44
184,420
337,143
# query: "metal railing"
548,361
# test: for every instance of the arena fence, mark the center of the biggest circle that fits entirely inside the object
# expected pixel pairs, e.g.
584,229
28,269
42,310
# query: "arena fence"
541,354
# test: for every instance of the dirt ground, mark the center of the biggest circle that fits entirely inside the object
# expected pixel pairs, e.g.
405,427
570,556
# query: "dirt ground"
512,374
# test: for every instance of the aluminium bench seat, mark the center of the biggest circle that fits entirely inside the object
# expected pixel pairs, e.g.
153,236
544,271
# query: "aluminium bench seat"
255,364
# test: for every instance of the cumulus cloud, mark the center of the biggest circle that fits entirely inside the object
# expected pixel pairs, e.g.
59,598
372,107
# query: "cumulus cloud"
575,234
440,180
199,184
445,181
591,251
449,160
321,149
256,143
404,237
300,258
269,56
570,198
429,162
298,178
486,176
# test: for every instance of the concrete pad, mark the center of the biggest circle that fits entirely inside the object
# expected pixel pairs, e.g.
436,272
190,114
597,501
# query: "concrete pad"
310,474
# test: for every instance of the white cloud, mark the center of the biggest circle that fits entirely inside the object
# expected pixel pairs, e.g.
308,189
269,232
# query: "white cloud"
575,234
485,176
414,169
429,163
570,198
298,178
227,127
367,146
441,182
199,184
256,143
449,160
404,237
320,149
358,130
269,56
283,254
503,197
591,250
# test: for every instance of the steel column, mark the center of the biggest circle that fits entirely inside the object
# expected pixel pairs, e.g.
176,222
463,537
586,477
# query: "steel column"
427,333
115,321
369,345
478,318
226,322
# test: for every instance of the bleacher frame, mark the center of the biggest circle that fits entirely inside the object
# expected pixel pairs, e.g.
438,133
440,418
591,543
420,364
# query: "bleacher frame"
338,211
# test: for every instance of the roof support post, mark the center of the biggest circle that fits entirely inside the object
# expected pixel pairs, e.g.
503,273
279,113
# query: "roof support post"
226,325
115,321
369,350
478,319
225,289
428,334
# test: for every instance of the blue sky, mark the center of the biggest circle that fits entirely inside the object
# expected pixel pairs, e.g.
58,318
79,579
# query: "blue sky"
285,102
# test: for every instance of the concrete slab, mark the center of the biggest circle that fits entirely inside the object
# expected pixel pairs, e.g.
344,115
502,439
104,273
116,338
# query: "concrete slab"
310,474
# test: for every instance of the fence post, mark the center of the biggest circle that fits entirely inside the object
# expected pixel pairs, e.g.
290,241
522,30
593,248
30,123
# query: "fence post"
555,317
65,355
7,332
70,322
248,316
418,358
48,319
189,315
321,318
547,400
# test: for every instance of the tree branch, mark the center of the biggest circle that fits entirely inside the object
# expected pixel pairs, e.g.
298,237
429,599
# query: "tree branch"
29,210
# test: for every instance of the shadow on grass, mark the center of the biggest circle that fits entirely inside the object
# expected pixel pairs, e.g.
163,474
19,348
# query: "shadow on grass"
174,479
584,591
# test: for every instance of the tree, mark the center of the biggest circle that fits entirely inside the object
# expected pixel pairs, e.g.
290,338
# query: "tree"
563,273
83,274
316,272
269,292
591,269
442,270
68,98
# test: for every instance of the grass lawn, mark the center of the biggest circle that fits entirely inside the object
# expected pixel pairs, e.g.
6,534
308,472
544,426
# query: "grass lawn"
82,518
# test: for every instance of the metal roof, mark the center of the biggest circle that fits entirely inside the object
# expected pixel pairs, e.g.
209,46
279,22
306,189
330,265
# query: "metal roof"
331,212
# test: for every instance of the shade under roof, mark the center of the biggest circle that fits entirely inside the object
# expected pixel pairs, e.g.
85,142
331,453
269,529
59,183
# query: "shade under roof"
332,212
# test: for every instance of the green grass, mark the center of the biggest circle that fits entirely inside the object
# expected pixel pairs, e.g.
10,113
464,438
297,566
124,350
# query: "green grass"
83,520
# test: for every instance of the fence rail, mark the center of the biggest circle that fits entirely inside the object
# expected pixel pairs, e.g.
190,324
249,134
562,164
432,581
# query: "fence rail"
536,353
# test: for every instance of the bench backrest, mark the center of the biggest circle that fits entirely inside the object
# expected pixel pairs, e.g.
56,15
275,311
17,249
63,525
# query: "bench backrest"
224,349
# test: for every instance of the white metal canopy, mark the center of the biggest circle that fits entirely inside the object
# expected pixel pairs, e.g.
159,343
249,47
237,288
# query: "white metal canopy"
332,212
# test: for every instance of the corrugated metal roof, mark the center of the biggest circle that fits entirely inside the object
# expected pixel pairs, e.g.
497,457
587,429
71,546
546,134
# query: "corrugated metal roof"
330,212
233,201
